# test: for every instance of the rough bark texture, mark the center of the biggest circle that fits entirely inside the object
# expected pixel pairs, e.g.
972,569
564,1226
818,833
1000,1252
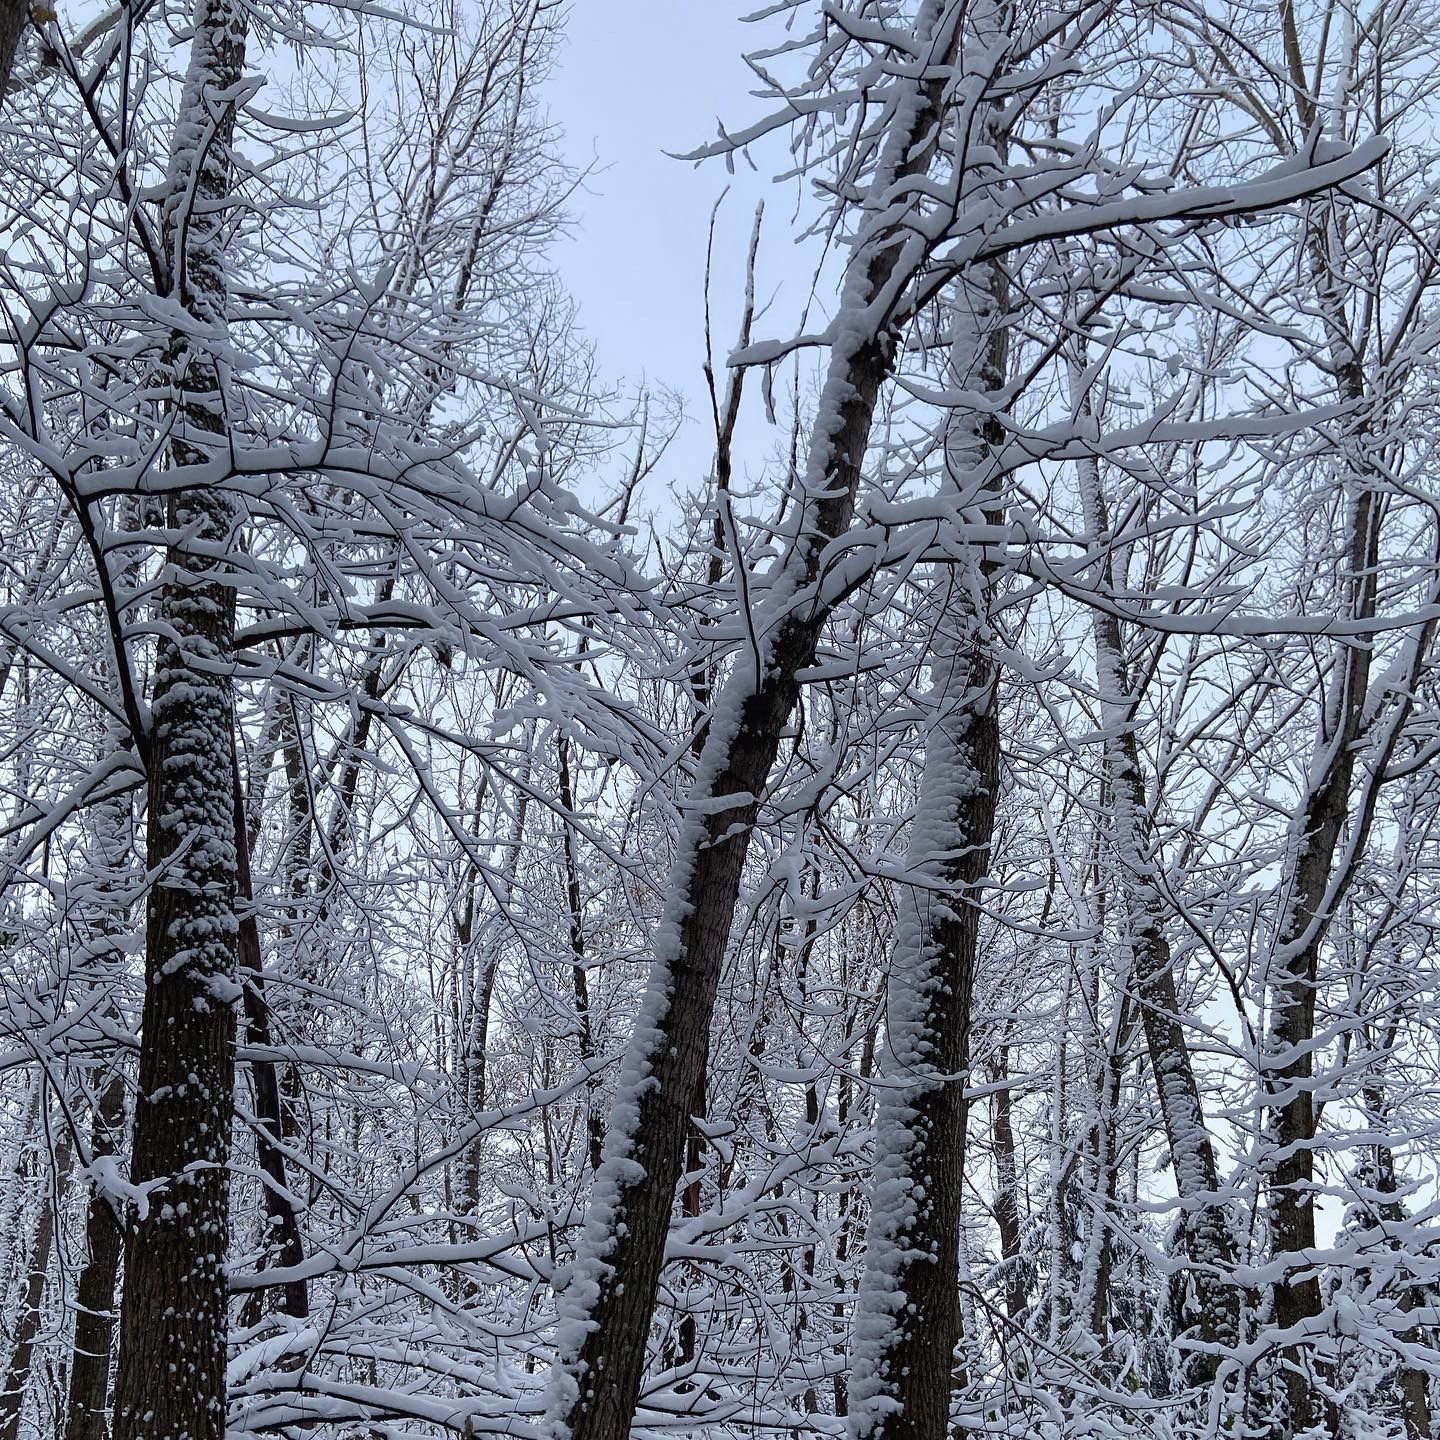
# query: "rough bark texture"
170,1381
579,976
606,1314
170,1384
112,856
14,17
908,1323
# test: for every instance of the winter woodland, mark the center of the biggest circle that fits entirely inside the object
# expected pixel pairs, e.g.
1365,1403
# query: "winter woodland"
921,929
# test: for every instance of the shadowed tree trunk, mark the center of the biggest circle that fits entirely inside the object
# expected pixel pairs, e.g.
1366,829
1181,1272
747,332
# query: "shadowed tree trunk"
96,1291
14,17
283,1221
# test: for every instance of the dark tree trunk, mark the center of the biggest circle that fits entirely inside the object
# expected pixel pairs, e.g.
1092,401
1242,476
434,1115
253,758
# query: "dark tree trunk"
1290,1043
1007,1188
14,17
96,1292
908,1320
579,977
606,1313
284,1237
170,1380
908,1324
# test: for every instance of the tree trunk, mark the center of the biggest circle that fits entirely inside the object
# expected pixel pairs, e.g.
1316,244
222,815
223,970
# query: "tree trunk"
908,1320
170,1381
1212,1320
27,1322
14,17
281,1211
1294,968
605,1313
1007,1188
96,1292
579,977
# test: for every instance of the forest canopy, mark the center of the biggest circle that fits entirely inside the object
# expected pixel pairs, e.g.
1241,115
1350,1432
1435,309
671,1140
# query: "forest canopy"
919,930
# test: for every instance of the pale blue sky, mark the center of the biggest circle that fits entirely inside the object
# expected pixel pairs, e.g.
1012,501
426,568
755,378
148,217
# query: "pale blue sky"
639,78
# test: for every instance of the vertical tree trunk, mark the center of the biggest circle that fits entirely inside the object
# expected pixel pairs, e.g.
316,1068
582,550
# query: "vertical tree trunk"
579,978
480,992
281,1212
14,17
1007,1188
96,1292
170,1382
1412,1383
606,1310
908,1320
1289,1073
27,1322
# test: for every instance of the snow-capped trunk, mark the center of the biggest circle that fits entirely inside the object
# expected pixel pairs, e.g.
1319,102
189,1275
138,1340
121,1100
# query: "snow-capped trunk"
907,1319
907,1322
170,1382
1213,1321
606,1308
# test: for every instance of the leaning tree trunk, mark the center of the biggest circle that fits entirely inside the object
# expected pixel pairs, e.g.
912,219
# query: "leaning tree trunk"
605,1311
170,1382
1212,1320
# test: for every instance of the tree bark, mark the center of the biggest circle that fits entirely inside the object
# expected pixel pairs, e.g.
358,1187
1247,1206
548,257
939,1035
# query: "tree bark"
908,1318
170,1381
605,1312
96,1292
1213,1317
281,1211
579,976
1007,1188
27,1322
14,17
